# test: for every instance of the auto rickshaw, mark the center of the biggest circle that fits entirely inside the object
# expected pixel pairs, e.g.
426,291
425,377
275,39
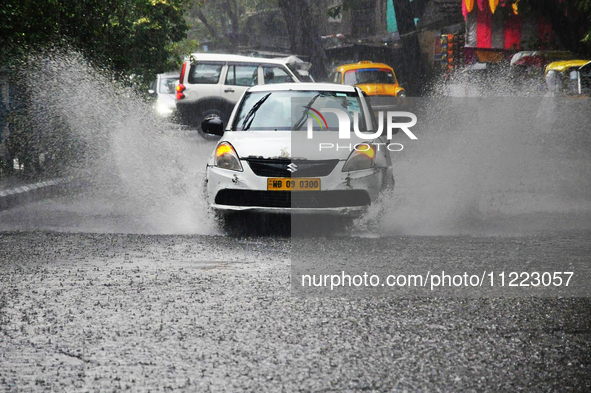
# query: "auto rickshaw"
568,77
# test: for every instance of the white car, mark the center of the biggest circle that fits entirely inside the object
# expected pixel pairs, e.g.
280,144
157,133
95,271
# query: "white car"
210,84
265,161
164,88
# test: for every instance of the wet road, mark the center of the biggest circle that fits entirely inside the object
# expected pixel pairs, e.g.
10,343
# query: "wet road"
99,312
131,284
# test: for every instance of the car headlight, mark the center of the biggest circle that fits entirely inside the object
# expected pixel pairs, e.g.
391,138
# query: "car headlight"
363,157
163,109
226,157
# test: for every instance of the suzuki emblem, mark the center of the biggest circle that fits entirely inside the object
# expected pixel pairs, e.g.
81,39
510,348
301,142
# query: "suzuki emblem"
292,167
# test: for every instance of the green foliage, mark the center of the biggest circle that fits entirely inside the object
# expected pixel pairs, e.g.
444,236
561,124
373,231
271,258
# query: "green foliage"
222,20
585,7
181,49
125,36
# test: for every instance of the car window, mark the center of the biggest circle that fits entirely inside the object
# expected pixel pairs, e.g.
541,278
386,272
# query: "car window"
241,75
376,75
350,77
337,78
167,85
369,75
302,75
275,74
205,73
281,110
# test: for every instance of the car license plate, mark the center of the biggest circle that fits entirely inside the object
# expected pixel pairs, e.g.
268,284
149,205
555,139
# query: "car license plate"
287,184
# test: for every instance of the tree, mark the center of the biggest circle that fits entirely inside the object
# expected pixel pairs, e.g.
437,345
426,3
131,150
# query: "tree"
570,20
118,37
584,6
304,34
223,21
412,68
219,17
126,36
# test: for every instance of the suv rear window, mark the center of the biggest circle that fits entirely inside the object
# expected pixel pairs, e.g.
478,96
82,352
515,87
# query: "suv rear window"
205,73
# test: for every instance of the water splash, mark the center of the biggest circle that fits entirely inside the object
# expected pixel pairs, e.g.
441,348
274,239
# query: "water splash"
144,174
491,165
481,164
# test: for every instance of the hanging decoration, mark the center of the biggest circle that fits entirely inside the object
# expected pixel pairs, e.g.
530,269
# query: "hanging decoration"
498,25
469,4
481,4
493,5
515,7
513,33
484,29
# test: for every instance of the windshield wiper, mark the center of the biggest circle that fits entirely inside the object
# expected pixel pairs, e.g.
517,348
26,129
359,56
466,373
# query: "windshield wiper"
251,113
302,119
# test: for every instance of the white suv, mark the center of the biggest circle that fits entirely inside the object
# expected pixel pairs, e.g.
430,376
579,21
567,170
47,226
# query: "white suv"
211,84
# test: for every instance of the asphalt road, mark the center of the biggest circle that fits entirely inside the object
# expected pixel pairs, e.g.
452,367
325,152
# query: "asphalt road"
131,283
96,312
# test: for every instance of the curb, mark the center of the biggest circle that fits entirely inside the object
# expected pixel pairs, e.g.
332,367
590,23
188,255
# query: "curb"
35,191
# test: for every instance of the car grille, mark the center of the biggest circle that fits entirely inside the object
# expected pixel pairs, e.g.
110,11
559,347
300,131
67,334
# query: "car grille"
296,199
278,167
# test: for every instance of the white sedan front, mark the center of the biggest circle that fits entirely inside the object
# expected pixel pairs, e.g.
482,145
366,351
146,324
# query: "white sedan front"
267,161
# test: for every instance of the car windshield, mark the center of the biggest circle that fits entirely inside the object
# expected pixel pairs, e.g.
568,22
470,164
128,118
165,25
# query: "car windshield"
167,85
369,75
290,110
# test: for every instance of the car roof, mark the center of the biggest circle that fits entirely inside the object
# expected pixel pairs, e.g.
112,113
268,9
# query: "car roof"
237,58
304,87
169,75
362,65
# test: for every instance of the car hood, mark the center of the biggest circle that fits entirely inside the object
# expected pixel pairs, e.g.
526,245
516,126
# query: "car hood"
286,144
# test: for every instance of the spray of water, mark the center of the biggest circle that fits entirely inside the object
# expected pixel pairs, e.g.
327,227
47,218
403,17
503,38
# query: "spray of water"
505,159
517,163
143,174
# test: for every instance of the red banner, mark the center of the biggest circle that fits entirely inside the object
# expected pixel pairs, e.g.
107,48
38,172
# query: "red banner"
484,28
513,32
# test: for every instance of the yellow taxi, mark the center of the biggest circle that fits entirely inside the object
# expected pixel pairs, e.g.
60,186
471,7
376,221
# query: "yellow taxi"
375,79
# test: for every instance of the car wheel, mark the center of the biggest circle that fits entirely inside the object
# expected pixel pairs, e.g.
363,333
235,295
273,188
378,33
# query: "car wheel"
372,220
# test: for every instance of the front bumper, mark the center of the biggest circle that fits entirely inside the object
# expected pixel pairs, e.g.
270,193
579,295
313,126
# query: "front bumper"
342,193
340,211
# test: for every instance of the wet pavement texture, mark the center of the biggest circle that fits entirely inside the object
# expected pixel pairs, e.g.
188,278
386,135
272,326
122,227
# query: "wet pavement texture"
129,283
96,312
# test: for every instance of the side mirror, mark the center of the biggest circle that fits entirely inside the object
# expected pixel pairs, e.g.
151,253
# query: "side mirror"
151,91
213,125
